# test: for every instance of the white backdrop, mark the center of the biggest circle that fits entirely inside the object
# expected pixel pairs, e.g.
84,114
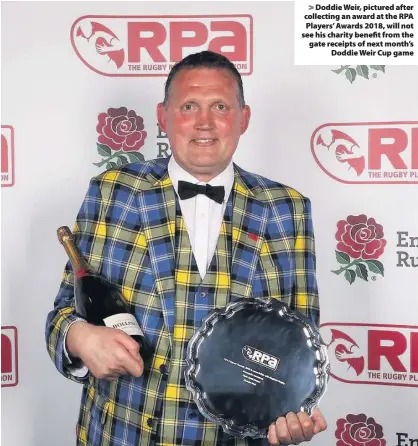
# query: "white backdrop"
52,101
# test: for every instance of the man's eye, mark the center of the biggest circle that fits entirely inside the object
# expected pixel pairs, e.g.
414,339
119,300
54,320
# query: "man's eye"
221,107
187,107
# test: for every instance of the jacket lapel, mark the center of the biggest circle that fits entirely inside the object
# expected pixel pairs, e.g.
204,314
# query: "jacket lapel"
157,207
249,222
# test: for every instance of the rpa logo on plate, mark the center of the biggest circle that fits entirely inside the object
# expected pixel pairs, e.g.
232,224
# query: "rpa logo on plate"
259,357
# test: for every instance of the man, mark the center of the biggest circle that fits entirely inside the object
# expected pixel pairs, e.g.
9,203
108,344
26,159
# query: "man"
176,256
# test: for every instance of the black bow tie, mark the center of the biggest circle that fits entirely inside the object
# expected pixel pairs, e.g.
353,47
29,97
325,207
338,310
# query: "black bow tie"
189,190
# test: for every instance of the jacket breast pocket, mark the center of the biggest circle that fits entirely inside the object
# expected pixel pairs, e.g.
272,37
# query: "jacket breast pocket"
273,276
127,262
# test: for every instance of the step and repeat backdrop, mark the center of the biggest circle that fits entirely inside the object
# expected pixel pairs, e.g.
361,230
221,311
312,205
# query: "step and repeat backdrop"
346,136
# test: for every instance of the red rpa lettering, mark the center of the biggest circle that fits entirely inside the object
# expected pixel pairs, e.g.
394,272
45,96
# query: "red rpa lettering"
414,141
6,353
178,41
414,352
392,151
4,155
392,352
238,40
150,44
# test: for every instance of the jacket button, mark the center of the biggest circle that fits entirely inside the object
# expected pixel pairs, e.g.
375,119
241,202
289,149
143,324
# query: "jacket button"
192,415
163,369
150,422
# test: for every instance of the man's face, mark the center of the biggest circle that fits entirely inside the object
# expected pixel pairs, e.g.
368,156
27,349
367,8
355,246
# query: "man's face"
203,120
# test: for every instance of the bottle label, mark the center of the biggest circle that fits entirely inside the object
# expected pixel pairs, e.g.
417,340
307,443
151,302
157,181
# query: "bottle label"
125,322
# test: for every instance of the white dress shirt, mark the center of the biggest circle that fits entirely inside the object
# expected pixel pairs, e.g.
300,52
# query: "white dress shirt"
202,217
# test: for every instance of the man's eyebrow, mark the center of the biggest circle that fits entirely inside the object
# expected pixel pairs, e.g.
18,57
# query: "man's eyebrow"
195,100
184,101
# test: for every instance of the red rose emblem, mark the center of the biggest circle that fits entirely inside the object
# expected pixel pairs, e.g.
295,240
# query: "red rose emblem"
121,129
360,236
358,430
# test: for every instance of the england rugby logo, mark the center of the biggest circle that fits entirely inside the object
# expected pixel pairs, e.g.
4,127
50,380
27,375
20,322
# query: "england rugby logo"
360,244
121,136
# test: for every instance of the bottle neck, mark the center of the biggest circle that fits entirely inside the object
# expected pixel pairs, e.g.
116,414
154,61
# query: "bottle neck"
81,273
79,264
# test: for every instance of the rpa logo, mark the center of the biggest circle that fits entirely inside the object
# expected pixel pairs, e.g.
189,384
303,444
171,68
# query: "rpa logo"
259,357
368,152
373,353
150,46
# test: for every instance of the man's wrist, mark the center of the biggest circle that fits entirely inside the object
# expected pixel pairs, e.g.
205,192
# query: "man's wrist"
71,339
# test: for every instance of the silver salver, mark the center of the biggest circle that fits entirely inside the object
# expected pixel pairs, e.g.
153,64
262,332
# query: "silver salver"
254,361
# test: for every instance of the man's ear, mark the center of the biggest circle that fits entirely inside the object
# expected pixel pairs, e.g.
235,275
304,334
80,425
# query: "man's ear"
162,116
245,118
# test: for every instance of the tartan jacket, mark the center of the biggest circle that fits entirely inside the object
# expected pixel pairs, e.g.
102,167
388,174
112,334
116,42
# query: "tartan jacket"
126,229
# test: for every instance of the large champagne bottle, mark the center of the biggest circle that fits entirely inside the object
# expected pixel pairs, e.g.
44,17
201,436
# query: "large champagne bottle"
96,299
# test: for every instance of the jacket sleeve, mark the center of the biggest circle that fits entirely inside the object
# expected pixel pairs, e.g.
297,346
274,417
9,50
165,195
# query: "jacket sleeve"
89,231
305,285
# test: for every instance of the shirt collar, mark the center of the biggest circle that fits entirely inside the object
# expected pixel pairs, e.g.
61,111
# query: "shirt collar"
177,173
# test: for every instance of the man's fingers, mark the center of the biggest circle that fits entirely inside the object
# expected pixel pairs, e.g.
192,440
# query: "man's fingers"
319,423
108,352
134,365
272,436
306,424
294,428
282,431
129,343
133,349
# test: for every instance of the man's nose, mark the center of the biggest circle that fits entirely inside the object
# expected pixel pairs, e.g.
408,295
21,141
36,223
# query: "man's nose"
204,119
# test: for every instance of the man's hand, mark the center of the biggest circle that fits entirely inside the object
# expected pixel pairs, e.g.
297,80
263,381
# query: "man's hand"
107,352
295,428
